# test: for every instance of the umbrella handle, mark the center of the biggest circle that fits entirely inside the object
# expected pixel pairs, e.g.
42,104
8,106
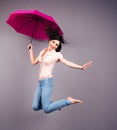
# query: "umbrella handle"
29,48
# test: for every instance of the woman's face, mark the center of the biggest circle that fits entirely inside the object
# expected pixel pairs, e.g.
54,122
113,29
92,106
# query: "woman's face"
53,44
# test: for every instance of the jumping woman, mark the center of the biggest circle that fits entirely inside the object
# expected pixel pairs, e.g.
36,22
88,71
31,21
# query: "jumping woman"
47,58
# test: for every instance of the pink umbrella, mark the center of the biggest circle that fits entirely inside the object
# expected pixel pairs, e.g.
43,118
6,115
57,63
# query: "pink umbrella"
32,23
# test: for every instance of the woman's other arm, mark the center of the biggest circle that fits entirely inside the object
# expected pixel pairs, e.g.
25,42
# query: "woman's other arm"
75,66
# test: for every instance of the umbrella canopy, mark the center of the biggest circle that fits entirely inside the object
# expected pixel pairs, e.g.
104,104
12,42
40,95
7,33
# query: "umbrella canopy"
32,23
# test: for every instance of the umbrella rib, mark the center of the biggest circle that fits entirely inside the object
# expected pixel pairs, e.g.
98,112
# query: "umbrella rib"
25,24
28,16
34,18
46,23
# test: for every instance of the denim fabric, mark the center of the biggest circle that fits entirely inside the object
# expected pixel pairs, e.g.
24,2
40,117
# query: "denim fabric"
42,97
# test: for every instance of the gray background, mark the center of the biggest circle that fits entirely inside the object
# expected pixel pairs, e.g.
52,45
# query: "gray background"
90,27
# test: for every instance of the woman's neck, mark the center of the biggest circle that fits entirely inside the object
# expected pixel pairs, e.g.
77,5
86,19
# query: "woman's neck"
50,49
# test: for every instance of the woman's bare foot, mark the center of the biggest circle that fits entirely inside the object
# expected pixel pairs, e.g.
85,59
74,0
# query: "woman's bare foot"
73,101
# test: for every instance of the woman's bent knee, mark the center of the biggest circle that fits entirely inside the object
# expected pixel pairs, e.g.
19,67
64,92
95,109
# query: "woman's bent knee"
46,110
35,108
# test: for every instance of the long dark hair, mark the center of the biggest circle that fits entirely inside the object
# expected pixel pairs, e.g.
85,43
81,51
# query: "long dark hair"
53,34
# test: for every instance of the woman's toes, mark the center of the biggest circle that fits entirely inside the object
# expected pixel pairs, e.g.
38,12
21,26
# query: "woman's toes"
72,100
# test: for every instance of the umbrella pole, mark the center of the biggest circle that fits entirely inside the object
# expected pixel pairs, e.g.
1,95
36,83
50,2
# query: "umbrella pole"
31,40
35,26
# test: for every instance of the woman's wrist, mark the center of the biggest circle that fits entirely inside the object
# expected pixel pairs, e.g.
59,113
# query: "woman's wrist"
81,68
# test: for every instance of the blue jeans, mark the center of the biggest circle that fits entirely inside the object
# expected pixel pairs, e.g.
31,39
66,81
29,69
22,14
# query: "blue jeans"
42,97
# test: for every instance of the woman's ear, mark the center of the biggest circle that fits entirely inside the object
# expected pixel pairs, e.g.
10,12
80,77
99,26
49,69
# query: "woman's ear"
58,49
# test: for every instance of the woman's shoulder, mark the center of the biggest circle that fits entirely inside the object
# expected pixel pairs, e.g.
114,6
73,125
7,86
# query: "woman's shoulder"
43,50
59,54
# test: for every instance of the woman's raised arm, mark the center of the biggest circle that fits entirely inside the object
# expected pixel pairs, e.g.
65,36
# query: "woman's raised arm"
32,56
